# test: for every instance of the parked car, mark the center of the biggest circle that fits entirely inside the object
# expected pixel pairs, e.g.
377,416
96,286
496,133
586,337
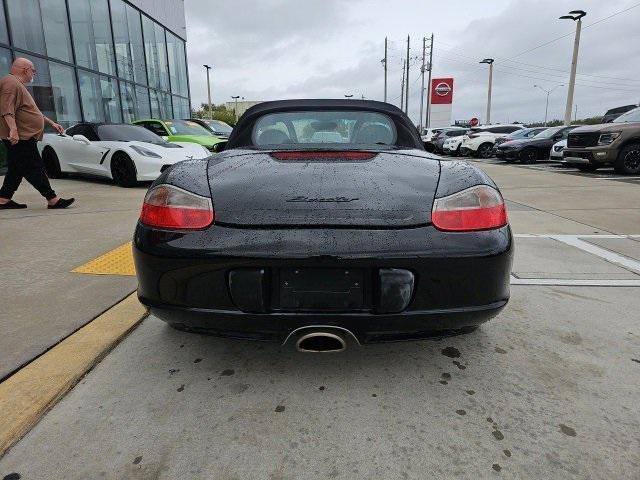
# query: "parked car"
181,131
557,149
392,244
218,128
479,141
518,134
530,150
124,153
614,113
444,135
616,143
427,138
451,145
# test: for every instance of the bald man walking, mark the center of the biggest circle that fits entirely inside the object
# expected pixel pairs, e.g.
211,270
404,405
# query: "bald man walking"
21,126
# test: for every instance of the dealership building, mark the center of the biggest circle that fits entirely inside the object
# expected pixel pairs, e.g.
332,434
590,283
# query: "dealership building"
100,60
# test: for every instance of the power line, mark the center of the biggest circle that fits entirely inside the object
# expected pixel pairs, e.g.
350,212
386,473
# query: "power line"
571,33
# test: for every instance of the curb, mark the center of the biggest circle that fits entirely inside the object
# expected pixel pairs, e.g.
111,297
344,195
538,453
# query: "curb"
28,394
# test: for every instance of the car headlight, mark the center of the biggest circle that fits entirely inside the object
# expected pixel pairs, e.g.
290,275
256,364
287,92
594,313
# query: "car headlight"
608,138
145,152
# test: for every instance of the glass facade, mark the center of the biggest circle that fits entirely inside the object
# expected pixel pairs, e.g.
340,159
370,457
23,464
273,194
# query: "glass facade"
98,60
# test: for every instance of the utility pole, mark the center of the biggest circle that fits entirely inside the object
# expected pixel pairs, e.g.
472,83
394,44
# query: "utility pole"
406,95
489,61
575,116
209,91
428,123
384,62
576,16
235,107
402,87
424,48
548,92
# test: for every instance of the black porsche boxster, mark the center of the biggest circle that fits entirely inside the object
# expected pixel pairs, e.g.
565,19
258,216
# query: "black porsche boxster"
324,223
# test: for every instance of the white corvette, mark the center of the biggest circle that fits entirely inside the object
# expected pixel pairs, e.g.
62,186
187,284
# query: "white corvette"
124,153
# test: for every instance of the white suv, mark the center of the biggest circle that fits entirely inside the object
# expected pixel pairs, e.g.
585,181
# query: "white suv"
479,141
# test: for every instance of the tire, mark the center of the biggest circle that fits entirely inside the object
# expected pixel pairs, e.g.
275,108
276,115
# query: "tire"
457,152
529,156
429,147
586,167
123,170
51,163
510,160
484,150
628,161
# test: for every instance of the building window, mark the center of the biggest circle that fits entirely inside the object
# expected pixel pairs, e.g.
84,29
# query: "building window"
135,102
54,91
4,35
181,107
100,98
156,54
92,35
49,37
177,65
127,32
5,61
161,105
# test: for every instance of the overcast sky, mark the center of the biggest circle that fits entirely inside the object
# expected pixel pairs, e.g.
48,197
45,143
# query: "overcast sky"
274,49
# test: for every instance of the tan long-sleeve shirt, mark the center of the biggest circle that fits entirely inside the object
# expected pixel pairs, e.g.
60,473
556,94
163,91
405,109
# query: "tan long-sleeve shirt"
15,100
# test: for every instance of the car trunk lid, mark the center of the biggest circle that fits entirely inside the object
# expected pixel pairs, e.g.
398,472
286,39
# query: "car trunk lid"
330,189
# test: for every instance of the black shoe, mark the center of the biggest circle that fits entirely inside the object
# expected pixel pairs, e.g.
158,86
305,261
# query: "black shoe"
62,203
11,205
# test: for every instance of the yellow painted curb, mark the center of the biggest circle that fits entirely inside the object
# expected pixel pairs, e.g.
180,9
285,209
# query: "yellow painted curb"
29,393
118,261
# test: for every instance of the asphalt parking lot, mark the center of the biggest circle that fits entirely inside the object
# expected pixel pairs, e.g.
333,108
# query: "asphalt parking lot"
548,389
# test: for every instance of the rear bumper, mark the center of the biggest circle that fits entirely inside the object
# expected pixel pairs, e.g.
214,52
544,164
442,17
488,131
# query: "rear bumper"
459,279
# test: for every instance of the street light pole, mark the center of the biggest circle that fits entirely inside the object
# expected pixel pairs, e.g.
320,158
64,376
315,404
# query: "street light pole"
384,62
209,90
548,92
576,16
422,69
489,61
235,107
428,122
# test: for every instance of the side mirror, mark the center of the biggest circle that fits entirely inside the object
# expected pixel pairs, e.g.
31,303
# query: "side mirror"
558,136
218,147
81,139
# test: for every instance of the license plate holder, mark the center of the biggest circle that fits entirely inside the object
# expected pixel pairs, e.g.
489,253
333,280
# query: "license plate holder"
321,289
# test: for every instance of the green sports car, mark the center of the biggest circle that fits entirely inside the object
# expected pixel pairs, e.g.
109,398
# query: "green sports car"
181,131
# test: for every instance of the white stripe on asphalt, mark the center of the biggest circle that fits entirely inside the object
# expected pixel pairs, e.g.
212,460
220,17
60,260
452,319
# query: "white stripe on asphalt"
543,235
562,282
611,257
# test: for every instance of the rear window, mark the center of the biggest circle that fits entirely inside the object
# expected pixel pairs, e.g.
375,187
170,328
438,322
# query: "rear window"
324,127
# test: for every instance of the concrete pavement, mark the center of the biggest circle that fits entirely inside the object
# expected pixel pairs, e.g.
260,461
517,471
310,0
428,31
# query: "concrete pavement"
42,301
546,390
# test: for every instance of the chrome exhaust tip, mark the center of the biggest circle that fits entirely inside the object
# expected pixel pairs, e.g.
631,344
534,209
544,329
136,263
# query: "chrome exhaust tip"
321,339
321,342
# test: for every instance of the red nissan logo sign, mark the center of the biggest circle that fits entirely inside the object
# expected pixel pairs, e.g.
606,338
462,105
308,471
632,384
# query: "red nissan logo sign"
474,122
442,89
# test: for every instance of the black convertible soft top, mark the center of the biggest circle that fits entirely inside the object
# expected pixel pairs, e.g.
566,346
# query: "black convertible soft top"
241,136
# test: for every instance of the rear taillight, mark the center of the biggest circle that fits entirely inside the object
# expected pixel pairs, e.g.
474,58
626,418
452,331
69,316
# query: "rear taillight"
169,207
323,155
476,208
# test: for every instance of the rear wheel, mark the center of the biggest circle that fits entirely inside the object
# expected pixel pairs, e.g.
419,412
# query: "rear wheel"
587,167
529,156
123,170
628,161
51,163
484,150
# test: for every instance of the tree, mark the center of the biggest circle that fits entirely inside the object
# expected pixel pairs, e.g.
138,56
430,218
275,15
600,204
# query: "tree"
220,112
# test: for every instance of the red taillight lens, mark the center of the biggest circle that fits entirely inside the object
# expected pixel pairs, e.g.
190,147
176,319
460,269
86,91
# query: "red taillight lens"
476,208
323,155
169,207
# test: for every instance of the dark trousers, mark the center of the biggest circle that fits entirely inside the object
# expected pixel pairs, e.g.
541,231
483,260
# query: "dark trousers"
24,161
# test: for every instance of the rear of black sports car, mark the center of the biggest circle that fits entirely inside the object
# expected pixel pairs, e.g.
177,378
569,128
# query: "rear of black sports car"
364,241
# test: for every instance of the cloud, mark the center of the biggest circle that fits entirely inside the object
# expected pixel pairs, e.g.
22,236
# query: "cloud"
326,48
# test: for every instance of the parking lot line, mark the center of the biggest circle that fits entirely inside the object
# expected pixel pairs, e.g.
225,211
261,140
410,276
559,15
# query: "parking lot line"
30,392
118,261
609,256
572,282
